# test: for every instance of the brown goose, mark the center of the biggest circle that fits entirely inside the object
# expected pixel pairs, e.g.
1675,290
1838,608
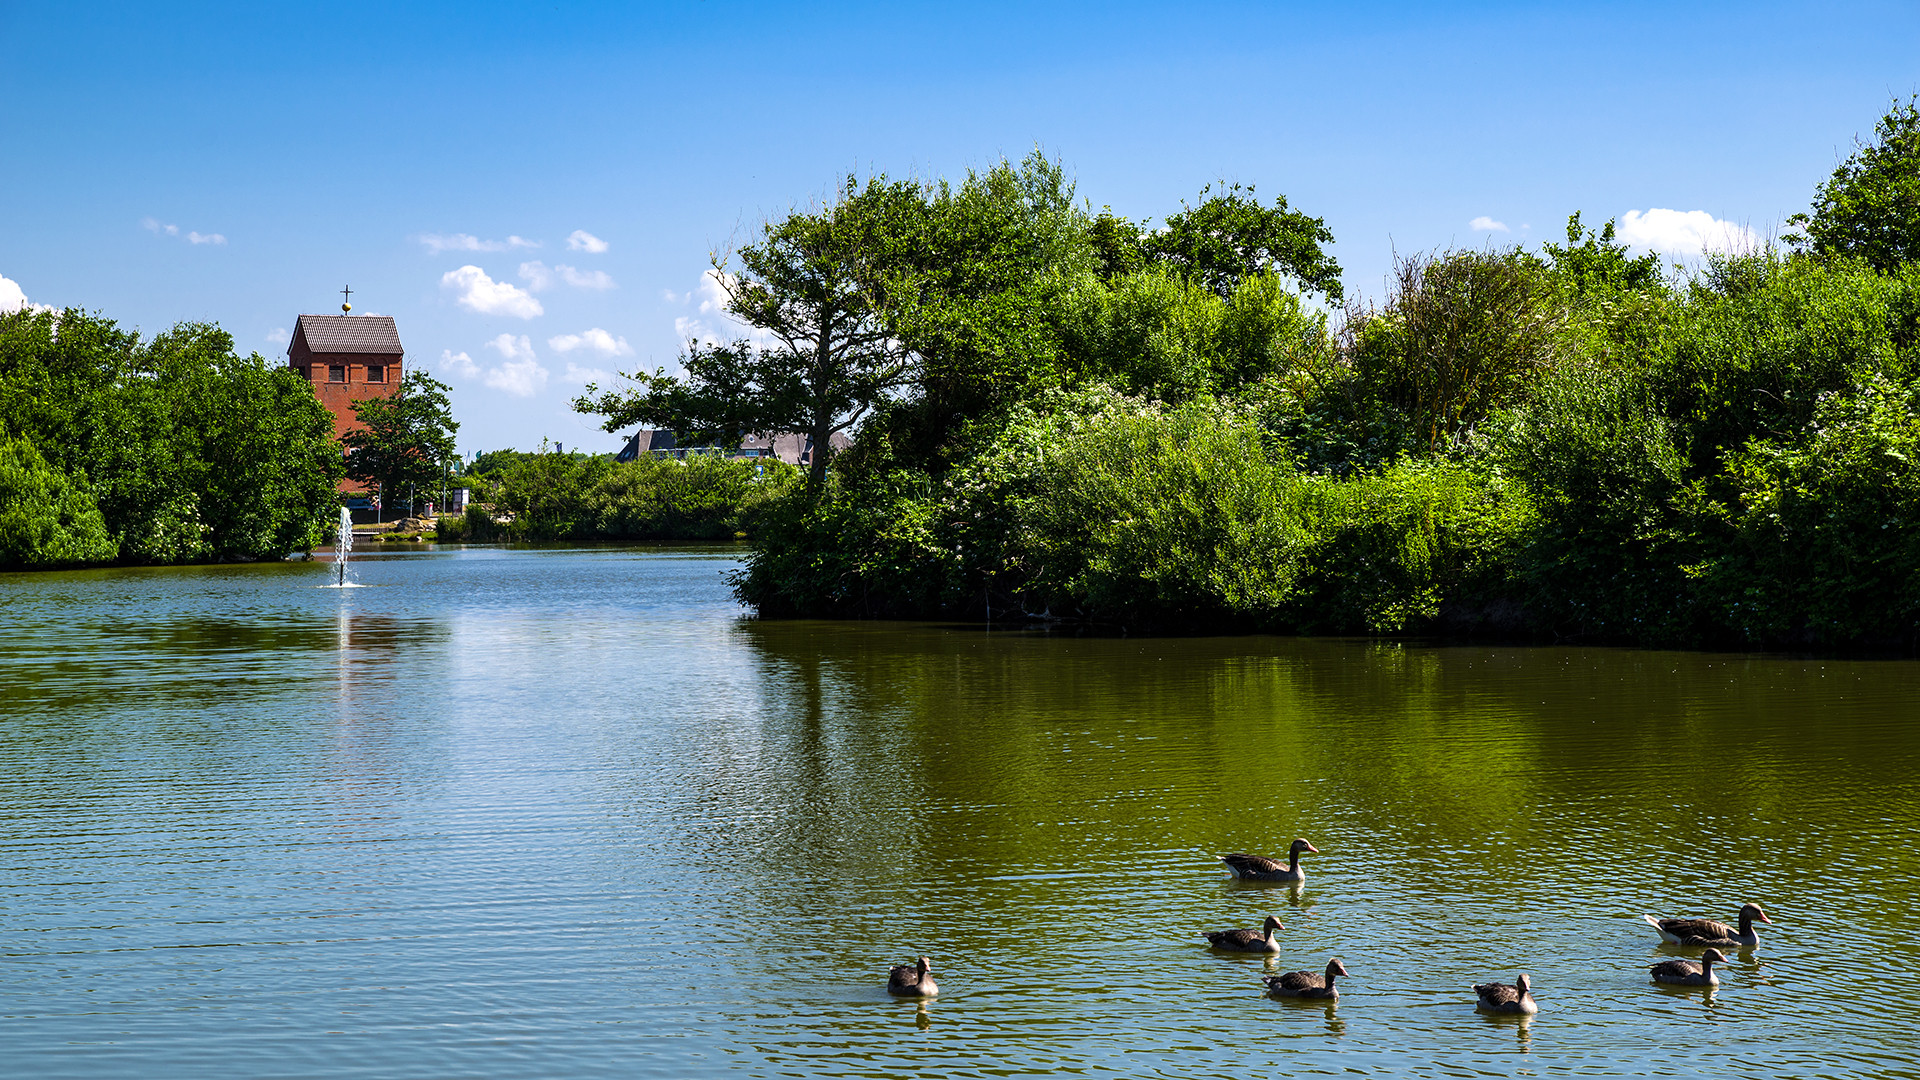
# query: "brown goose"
1501,998
912,980
1261,868
1711,931
1305,984
1688,973
1260,940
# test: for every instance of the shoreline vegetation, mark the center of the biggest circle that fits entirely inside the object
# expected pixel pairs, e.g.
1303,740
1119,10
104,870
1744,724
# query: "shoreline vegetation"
115,450
592,497
1070,417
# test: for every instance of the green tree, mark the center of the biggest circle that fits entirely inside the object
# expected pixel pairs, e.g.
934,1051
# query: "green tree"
1870,206
1231,237
1118,244
403,440
1463,334
47,518
193,451
821,355
977,284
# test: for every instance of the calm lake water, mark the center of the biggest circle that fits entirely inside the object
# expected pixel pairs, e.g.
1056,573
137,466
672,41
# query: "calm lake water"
569,813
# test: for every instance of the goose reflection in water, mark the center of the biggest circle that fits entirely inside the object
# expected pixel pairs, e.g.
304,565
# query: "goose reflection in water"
1521,1023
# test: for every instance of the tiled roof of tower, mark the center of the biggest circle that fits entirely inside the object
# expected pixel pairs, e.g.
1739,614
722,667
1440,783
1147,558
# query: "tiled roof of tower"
349,334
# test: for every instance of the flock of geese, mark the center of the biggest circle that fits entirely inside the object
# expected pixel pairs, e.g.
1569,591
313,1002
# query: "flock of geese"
1516,998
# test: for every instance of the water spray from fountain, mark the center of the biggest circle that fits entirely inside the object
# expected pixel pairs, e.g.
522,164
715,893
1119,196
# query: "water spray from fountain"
342,547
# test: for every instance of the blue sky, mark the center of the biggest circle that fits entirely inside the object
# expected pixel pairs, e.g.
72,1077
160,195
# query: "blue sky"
238,165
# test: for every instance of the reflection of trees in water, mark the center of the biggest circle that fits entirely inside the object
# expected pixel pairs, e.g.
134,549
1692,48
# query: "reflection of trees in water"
291,709
889,756
184,662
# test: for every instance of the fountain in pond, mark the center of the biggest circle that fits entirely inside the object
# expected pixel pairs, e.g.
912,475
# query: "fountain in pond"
342,546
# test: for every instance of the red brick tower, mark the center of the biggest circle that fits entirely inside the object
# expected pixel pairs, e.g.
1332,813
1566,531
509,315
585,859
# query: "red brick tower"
346,358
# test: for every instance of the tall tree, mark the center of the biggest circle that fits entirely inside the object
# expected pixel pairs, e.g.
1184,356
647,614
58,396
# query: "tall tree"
977,287
1870,206
403,440
1230,237
819,354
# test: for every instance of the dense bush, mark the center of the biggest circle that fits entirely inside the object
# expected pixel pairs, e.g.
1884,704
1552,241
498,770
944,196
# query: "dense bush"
47,518
1104,509
548,496
1822,531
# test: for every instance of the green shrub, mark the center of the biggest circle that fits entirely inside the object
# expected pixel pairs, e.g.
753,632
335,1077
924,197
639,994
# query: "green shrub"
1391,549
577,497
1155,334
1602,556
1165,518
1463,334
700,498
1096,507
1760,338
47,518
876,550
1824,544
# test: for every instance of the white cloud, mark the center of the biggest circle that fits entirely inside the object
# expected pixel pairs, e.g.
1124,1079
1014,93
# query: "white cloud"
713,293
1483,223
279,336
521,375
14,298
459,363
438,243
713,325
1690,232
536,275
512,348
596,339
540,277
480,293
581,376
521,378
582,240
159,228
585,279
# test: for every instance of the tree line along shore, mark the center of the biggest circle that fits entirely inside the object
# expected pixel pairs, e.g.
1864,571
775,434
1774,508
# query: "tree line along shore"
1182,425
1170,425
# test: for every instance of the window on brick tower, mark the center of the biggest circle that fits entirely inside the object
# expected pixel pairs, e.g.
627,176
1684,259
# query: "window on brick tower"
376,373
337,373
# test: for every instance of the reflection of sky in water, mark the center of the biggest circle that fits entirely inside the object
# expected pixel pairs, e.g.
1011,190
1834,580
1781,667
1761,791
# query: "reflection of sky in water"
566,813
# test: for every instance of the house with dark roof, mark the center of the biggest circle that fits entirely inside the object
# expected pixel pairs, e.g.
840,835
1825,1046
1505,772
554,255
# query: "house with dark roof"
790,447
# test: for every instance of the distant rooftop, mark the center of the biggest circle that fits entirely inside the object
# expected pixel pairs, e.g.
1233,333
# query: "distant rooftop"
347,334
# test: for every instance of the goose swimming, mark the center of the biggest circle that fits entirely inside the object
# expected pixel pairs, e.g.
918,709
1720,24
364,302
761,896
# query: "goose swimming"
912,980
1260,941
1501,998
1688,973
1711,931
1306,984
1261,868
